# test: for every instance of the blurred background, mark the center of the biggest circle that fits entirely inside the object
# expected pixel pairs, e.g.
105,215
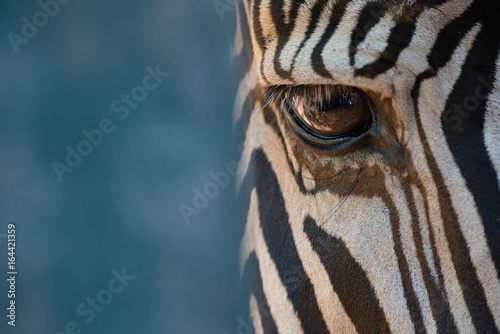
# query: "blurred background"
116,212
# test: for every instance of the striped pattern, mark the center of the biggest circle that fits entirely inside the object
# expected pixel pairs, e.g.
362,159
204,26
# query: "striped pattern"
401,234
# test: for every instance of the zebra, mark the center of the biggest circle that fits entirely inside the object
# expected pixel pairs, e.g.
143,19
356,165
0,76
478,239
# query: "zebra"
370,166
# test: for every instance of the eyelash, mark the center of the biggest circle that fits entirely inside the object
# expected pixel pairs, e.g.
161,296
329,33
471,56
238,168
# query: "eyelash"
279,94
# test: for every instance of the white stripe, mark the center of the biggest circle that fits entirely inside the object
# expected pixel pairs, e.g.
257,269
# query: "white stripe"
249,145
304,69
255,314
297,35
428,26
492,124
287,7
281,308
375,41
246,85
424,230
395,189
238,37
271,35
492,141
335,55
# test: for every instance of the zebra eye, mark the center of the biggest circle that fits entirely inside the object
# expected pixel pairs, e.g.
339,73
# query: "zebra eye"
331,114
345,114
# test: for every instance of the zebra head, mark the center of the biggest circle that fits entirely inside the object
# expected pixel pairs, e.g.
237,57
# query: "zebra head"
371,165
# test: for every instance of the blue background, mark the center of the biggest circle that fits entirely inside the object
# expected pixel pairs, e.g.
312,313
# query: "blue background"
119,208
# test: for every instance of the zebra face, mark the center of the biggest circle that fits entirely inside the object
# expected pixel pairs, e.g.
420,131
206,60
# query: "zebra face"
371,165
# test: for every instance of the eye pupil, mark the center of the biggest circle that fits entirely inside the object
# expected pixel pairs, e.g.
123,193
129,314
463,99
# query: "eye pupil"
333,103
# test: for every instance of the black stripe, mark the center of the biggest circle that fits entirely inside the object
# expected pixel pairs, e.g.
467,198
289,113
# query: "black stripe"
466,139
369,17
253,278
464,132
284,31
257,27
448,39
437,295
472,289
348,280
241,126
313,22
439,316
316,57
281,245
399,38
271,119
410,297
259,34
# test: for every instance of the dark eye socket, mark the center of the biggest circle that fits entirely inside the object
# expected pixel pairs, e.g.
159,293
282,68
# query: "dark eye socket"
325,113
